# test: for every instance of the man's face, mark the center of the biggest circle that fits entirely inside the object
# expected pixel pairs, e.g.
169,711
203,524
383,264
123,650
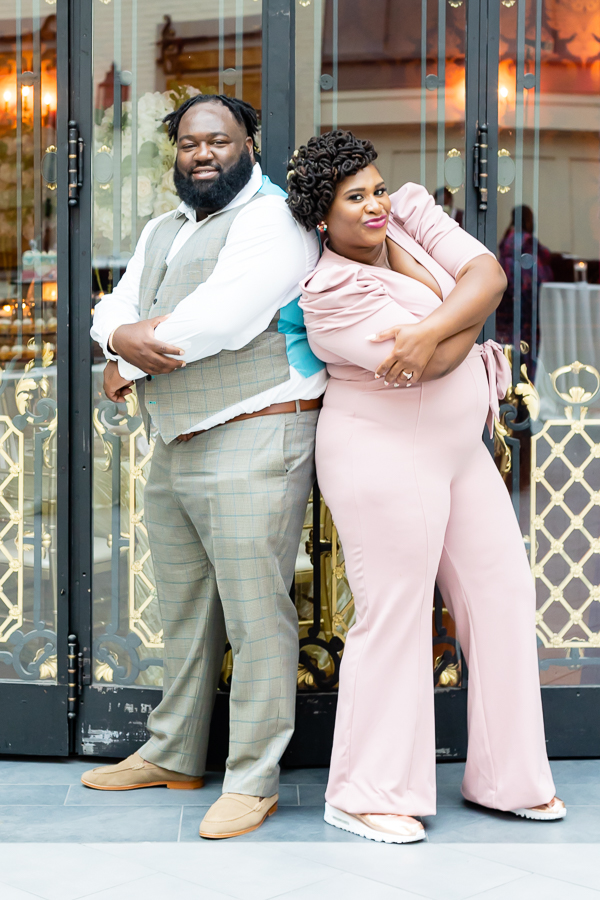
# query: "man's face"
214,157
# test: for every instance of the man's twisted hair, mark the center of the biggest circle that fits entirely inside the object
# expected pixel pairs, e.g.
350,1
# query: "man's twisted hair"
317,167
244,113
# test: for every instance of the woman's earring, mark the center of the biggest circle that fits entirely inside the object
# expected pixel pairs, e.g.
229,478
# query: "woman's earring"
322,226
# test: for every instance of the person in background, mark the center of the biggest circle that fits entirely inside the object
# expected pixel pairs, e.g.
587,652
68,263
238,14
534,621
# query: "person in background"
506,258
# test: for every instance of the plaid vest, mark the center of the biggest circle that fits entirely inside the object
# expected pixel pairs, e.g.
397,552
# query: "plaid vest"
183,398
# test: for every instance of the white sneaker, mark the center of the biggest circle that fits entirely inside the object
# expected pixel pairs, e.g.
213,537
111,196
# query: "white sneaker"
376,827
555,810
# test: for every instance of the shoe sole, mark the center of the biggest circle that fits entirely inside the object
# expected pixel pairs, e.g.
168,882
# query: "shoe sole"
215,837
342,820
172,785
539,816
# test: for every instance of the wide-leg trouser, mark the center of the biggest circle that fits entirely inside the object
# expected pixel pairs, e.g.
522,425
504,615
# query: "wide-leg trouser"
416,496
224,513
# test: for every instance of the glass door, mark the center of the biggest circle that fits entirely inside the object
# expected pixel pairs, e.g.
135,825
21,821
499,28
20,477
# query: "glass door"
146,63
548,444
396,74
33,645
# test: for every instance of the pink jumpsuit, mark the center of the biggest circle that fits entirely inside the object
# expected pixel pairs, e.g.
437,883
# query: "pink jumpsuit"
416,497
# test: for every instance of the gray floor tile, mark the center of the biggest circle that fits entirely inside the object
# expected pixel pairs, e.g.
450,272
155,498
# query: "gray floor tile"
450,773
436,872
579,794
576,771
247,873
304,776
33,770
288,795
287,824
64,872
88,823
582,825
353,887
312,795
450,818
159,887
79,795
574,863
535,887
449,795
33,794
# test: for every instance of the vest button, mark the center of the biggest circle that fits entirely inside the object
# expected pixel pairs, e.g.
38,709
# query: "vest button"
148,377
155,301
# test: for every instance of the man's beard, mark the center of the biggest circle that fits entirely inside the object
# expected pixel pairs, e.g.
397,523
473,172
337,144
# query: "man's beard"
217,193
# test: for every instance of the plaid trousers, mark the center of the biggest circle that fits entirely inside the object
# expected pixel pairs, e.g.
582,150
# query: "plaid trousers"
224,513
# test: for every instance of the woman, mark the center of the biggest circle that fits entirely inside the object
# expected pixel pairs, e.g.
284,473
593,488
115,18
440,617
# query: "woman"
416,497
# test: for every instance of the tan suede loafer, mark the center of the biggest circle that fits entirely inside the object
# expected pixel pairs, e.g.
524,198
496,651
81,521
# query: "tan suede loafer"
235,814
134,772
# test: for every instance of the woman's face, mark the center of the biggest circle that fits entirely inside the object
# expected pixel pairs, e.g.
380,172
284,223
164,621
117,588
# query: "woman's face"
359,213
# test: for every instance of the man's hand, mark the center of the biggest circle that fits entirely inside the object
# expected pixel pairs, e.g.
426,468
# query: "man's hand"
415,345
116,387
136,344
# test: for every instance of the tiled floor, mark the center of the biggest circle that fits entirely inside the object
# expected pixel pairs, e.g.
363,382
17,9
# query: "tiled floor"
61,841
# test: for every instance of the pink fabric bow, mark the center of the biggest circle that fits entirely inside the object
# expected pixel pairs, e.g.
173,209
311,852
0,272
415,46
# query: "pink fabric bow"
499,378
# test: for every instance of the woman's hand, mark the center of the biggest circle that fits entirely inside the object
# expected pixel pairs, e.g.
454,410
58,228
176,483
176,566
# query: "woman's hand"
414,347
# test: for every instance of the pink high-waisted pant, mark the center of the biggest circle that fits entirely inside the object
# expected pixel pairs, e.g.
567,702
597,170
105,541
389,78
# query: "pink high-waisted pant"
416,497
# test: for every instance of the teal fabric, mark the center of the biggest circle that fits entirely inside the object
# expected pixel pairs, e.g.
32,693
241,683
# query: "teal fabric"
269,188
299,354
291,319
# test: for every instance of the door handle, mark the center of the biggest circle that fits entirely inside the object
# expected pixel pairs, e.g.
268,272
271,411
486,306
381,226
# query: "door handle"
75,163
480,166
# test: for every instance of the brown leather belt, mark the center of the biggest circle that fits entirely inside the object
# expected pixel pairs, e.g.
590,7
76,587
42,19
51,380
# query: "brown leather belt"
275,409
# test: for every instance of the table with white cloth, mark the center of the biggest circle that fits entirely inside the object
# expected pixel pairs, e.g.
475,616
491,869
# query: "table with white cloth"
569,318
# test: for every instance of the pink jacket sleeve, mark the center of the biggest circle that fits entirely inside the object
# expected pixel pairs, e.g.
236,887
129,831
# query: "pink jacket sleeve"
342,306
415,210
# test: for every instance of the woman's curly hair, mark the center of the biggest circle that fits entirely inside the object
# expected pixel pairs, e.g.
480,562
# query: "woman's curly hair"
317,168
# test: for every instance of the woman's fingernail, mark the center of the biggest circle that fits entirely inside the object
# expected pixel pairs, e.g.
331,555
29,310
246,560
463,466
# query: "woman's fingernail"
182,365
377,376
386,383
370,337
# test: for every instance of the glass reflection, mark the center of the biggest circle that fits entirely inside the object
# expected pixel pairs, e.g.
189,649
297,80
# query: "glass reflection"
146,64
28,300
549,319
393,73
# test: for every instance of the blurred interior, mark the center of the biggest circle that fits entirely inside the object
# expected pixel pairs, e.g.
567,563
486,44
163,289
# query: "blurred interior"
394,73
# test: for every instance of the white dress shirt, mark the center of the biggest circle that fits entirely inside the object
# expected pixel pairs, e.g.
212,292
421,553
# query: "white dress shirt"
266,255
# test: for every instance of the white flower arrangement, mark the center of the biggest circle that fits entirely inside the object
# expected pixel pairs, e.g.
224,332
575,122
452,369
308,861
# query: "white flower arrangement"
155,157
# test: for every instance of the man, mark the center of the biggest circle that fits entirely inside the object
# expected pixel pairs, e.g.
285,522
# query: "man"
206,321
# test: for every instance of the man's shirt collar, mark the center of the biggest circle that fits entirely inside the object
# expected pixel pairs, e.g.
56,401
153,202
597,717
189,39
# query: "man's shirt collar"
246,194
